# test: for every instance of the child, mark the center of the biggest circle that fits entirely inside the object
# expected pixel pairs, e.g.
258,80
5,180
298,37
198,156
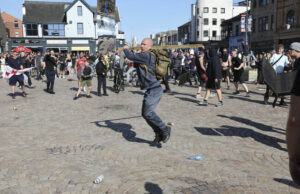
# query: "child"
86,80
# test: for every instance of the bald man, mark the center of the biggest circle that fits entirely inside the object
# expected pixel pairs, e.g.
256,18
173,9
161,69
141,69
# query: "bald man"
153,89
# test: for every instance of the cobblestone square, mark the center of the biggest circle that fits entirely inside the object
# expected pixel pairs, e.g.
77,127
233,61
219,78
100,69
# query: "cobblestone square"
52,144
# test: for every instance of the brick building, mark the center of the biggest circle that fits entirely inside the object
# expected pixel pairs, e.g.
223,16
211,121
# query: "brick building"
13,25
288,22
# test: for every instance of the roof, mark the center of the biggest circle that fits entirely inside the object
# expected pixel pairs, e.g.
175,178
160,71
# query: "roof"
186,24
83,1
44,12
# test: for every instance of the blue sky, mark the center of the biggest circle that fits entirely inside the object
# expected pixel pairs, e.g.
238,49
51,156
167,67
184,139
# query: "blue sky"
139,18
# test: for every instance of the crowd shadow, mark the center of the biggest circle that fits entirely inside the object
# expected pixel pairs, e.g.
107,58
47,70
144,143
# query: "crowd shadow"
152,188
188,100
287,182
137,92
226,130
247,99
126,131
257,125
173,93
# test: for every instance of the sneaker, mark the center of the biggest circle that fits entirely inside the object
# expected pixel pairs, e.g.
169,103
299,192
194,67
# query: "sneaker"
167,91
282,103
212,95
105,94
24,94
248,94
236,93
158,138
203,103
88,96
84,89
64,77
198,96
220,103
75,98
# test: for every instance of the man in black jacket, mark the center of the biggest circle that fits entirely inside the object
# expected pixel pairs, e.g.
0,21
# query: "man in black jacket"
101,71
144,63
51,64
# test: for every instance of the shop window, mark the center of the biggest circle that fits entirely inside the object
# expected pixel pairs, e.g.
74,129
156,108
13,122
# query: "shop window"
53,30
290,19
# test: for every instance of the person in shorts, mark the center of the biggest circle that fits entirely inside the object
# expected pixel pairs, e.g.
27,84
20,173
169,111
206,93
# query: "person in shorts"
79,65
86,80
226,63
238,73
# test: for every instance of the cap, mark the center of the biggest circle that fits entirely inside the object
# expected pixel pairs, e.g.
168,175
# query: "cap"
295,46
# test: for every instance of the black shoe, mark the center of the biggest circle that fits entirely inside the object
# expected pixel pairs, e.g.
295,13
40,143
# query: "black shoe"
167,91
266,101
166,133
236,93
158,138
282,103
105,94
13,96
248,94
88,96
75,98
99,94
51,92
46,90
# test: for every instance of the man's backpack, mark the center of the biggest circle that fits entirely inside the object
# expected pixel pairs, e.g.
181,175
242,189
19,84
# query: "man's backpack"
162,63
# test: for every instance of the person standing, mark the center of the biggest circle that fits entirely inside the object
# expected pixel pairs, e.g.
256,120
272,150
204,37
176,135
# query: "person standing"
293,124
238,73
153,89
16,64
226,64
214,75
201,70
279,60
27,64
101,71
62,67
50,65
38,65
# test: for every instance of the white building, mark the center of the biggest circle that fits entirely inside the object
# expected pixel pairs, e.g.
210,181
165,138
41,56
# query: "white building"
207,16
64,26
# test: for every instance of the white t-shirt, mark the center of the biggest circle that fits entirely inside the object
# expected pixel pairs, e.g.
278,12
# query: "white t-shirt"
279,66
2,61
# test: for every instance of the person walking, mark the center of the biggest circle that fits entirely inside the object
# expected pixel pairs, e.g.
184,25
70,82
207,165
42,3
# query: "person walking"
214,75
87,75
79,65
50,65
226,64
145,61
38,65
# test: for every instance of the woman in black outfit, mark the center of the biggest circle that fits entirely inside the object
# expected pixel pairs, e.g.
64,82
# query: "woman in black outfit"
214,74
101,71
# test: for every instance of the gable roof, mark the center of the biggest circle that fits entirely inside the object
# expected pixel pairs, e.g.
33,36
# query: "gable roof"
82,1
44,12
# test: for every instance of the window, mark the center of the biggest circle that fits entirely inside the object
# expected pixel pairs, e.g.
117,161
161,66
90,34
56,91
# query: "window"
197,22
254,4
263,24
214,10
272,22
222,10
16,24
205,33
79,28
214,22
214,33
53,30
263,2
254,25
290,19
17,34
197,34
31,30
205,9
79,10
206,21
197,11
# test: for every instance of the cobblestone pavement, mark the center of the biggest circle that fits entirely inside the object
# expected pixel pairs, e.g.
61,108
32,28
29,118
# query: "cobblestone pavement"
52,144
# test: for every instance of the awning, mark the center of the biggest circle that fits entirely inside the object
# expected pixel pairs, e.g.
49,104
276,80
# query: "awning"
80,48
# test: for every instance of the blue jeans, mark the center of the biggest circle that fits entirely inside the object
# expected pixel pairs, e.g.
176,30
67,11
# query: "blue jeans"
151,99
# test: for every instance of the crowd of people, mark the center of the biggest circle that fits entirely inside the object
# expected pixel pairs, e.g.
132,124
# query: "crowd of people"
206,67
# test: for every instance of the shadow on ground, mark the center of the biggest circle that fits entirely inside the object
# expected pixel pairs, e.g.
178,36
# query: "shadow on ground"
126,131
287,182
152,188
226,130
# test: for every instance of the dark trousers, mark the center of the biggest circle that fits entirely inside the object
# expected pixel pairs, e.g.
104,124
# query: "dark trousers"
193,73
151,99
101,83
39,72
266,97
177,72
50,80
29,79
166,82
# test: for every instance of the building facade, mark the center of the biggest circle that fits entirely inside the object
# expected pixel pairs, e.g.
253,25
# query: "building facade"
264,19
13,25
287,22
64,26
207,16
184,33
165,38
